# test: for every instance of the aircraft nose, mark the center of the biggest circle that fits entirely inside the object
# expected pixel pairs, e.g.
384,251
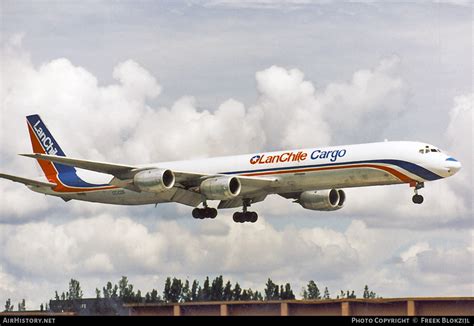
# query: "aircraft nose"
452,165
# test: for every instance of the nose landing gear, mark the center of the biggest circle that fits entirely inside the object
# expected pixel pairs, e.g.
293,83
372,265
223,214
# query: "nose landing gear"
418,199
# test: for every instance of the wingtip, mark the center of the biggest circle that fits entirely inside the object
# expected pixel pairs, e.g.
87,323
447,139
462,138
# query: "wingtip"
29,155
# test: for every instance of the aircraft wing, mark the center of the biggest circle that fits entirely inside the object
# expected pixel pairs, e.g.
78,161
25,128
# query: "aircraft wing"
119,170
28,182
194,179
126,172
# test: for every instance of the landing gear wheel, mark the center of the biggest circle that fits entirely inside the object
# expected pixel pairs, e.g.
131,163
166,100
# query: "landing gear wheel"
202,213
212,213
253,217
241,217
417,199
238,217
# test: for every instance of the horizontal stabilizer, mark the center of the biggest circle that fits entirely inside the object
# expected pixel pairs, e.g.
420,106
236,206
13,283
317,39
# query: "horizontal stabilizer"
28,182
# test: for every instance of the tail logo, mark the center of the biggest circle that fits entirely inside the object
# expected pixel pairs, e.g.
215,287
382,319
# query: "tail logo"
48,144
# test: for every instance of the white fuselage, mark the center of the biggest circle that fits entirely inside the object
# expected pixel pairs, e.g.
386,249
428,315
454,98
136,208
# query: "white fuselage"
299,170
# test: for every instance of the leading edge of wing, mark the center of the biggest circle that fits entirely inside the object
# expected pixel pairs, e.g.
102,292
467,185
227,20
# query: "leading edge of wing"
124,172
118,170
26,181
194,178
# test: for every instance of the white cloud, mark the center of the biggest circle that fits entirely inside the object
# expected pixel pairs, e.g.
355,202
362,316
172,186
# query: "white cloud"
414,250
361,109
102,248
430,266
110,247
77,247
289,112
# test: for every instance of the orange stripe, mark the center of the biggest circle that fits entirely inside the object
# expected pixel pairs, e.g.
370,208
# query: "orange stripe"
50,171
63,188
47,167
392,171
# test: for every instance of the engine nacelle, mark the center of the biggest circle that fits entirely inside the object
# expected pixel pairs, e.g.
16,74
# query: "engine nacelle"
220,188
154,180
323,200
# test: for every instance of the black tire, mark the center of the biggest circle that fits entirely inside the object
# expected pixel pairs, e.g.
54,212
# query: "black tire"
212,213
253,217
417,199
196,213
236,217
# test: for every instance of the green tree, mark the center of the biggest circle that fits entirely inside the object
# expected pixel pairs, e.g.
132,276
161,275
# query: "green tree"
186,292
245,295
126,290
206,290
107,290
313,291
352,295
304,293
287,292
8,305
75,291
175,291
237,292
167,290
227,293
271,291
97,293
347,294
56,295
114,292
154,297
138,297
217,289
257,296
194,290
368,294
326,295
200,296
21,305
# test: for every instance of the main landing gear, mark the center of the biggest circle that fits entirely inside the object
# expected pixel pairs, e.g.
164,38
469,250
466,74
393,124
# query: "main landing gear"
206,212
418,199
245,216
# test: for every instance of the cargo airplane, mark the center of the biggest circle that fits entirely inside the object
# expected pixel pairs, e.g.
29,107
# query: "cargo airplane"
311,177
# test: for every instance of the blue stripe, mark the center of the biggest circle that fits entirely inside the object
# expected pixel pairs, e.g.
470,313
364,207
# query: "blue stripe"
66,174
451,159
73,180
408,166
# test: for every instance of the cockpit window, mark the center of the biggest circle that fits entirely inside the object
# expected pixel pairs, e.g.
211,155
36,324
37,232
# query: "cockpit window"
427,149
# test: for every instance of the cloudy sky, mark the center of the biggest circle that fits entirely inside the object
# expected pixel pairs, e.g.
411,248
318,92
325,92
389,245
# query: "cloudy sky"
138,82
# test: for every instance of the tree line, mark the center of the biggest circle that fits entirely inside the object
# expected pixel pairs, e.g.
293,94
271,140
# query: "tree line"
177,290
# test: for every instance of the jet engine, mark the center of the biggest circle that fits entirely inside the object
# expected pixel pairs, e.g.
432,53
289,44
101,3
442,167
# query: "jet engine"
220,188
322,200
154,180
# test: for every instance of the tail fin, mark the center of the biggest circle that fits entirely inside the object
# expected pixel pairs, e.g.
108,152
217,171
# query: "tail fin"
43,142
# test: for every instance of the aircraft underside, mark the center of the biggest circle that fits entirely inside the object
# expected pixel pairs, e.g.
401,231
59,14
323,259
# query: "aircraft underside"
289,187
